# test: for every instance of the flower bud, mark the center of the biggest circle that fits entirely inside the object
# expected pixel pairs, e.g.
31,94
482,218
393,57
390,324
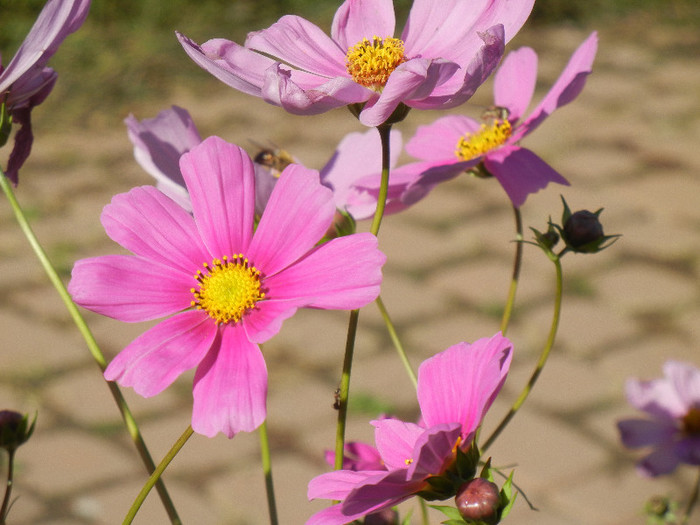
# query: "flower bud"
13,429
478,500
383,517
583,227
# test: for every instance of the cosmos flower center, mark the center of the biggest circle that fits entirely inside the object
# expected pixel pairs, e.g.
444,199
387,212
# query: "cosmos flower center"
370,62
488,137
691,422
228,288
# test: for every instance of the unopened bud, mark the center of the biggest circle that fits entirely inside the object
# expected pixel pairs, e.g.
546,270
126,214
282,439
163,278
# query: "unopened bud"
478,500
14,429
582,228
383,517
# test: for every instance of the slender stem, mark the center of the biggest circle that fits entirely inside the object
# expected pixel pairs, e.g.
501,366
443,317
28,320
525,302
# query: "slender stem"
691,502
343,394
157,473
267,471
92,345
424,512
8,490
517,262
395,339
540,363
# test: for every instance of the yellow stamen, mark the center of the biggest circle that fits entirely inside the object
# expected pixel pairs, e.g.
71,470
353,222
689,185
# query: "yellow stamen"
371,62
488,137
227,289
408,461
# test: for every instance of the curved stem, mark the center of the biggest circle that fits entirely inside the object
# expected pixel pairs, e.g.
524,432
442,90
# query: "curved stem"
92,345
544,355
157,473
8,490
267,472
517,262
397,342
691,502
384,135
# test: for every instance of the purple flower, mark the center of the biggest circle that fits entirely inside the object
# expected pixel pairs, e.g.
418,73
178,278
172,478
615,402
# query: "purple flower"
455,143
455,389
673,430
446,51
225,287
26,82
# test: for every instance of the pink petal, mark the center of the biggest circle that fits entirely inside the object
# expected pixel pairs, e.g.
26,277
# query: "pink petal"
661,461
23,142
635,433
299,212
230,386
221,181
157,357
460,383
430,176
520,172
438,141
566,88
396,441
511,14
657,397
358,456
301,44
434,451
265,321
151,225
358,19
344,273
379,493
685,379
339,483
688,450
514,82
130,288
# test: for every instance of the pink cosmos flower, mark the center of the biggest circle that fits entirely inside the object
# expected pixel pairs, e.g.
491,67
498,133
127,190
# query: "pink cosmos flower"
673,430
26,82
456,143
225,287
455,389
446,51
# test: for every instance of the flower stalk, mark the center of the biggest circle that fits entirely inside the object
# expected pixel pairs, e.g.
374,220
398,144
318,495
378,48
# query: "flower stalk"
395,339
267,472
8,488
517,263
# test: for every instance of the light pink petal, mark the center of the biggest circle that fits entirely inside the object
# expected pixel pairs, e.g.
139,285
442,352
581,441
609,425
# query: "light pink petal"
511,14
434,450
396,441
430,176
157,357
460,383
230,386
662,460
657,398
566,88
514,82
438,141
151,225
339,483
358,19
635,433
344,273
265,321
221,181
301,44
379,493
358,456
520,172
299,212
685,379
129,288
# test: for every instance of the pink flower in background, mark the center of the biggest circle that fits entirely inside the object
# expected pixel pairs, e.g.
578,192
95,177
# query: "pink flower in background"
455,389
26,82
455,143
226,288
673,427
446,51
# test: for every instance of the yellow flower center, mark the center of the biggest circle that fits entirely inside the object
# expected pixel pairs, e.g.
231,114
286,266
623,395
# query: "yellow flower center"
227,289
488,137
370,62
691,422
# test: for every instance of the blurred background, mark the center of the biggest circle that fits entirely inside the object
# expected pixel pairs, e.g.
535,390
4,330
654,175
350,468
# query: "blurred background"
627,144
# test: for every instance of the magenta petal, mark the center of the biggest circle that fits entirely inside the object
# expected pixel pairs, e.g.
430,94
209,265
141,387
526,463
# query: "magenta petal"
299,212
688,450
23,143
332,515
157,357
301,44
460,383
129,288
396,441
265,321
434,451
230,386
221,181
662,460
339,483
151,225
344,273
635,433
438,141
514,82
358,19
520,172
380,492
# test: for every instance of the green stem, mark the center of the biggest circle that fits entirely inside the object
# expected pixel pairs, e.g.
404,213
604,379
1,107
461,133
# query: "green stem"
384,135
691,502
397,342
157,473
267,471
92,345
8,490
540,363
517,262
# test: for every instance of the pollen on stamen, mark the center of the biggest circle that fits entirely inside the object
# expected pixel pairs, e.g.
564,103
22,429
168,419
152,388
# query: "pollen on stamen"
370,62
227,289
487,138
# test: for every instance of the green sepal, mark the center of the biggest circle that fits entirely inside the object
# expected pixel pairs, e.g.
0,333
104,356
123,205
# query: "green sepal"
451,512
506,497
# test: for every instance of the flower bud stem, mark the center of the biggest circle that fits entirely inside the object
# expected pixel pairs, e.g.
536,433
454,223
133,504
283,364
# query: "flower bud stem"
691,502
517,262
89,338
267,472
8,489
397,342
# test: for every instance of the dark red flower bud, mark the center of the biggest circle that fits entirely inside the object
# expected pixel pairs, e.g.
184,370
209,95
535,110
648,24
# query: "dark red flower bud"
478,499
583,227
383,517
14,429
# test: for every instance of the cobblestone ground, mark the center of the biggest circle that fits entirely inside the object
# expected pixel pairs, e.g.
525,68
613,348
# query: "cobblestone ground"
629,144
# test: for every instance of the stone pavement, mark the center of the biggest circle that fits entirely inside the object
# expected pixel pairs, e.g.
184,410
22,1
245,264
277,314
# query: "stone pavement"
628,144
